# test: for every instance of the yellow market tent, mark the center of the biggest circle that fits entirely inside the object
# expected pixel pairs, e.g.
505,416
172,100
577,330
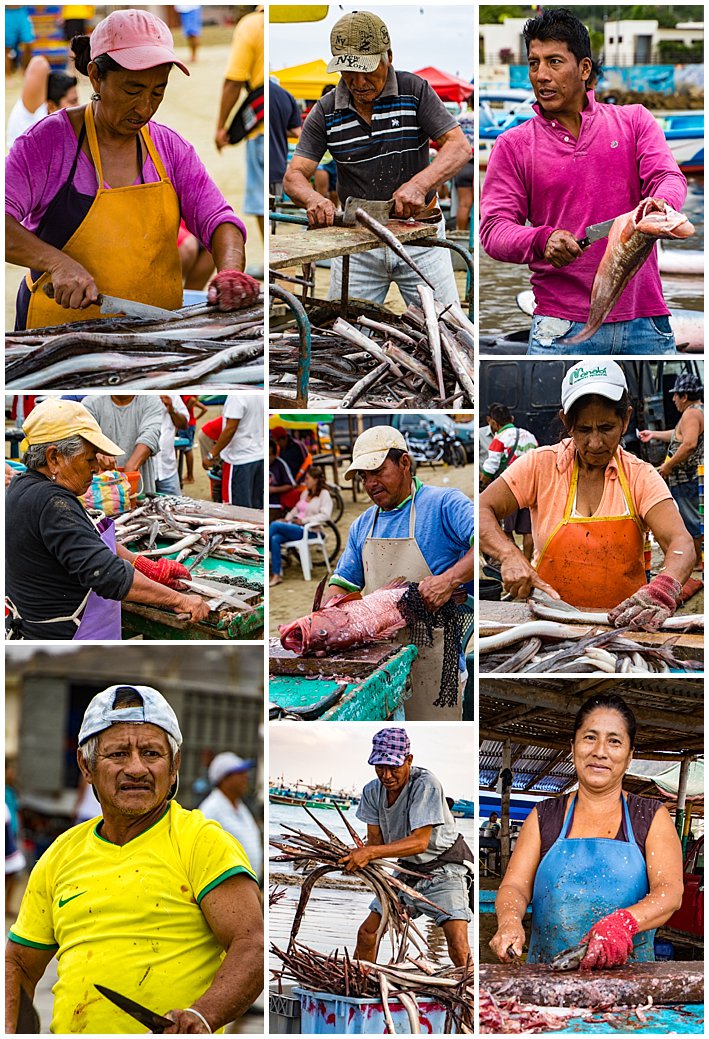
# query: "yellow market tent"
306,82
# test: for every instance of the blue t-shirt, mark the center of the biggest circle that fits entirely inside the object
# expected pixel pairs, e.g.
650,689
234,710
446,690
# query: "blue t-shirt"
283,115
443,531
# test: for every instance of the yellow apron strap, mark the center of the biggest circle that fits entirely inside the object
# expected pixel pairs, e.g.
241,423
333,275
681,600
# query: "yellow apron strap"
153,153
571,496
625,487
92,141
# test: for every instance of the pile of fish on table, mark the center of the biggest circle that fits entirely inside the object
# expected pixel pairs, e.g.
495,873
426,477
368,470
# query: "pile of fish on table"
423,358
198,346
552,645
411,974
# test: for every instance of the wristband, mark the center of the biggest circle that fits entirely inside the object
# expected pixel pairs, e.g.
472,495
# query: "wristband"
203,1019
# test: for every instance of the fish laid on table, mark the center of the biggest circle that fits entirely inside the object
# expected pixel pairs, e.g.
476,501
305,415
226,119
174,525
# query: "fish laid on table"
346,621
631,240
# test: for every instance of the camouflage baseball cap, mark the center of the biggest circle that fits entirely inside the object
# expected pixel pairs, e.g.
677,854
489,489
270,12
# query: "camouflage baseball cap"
357,42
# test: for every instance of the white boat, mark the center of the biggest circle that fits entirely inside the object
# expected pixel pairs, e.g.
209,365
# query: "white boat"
680,261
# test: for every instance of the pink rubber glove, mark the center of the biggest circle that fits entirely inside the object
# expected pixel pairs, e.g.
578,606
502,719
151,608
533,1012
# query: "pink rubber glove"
164,571
650,607
610,941
232,290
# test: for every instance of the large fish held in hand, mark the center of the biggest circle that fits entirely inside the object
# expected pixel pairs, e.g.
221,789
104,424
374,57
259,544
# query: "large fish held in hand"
347,620
630,242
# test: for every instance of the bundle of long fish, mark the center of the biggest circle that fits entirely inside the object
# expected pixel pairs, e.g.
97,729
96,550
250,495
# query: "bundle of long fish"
190,531
424,358
412,983
200,345
543,646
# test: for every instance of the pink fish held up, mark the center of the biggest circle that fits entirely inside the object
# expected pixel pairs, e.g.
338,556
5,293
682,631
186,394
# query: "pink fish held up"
630,242
347,620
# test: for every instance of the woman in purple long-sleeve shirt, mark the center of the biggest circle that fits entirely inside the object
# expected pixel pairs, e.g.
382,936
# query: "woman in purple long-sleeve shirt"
94,196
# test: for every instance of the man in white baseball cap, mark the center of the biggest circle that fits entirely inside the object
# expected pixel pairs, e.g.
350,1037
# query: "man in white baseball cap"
377,125
415,531
592,504
229,776
149,898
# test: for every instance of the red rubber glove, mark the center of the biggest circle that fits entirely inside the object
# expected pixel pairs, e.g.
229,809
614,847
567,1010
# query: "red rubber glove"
232,290
164,571
610,941
650,607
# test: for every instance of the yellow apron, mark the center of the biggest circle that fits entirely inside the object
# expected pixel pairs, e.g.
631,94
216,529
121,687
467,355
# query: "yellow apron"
595,562
127,242
383,560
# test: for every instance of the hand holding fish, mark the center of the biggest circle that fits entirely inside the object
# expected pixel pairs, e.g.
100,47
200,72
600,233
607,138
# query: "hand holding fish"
610,941
562,249
408,200
436,591
356,859
650,607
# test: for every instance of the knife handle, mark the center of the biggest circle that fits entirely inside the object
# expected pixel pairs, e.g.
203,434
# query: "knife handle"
49,291
583,242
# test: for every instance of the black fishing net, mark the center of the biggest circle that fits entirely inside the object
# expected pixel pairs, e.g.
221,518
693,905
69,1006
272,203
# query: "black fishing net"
421,624
241,582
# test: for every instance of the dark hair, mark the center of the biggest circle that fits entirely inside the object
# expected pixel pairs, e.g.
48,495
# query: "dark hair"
619,407
327,88
318,474
395,454
561,25
500,413
58,84
610,702
81,49
272,445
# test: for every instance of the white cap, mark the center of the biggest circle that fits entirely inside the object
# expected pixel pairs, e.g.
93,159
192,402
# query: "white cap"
226,764
606,378
155,710
371,448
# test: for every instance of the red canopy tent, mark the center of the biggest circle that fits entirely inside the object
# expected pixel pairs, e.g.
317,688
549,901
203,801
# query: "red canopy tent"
448,88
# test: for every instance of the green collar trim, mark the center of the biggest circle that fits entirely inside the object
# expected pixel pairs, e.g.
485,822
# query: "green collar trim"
152,825
417,487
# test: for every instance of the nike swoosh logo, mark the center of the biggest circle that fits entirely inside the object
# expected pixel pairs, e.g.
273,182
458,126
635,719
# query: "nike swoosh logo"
63,901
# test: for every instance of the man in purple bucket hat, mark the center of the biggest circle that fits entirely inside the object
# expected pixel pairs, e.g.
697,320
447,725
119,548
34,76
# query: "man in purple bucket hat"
408,819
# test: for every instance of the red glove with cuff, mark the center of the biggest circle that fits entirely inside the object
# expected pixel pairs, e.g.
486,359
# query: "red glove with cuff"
650,607
232,290
610,941
164,571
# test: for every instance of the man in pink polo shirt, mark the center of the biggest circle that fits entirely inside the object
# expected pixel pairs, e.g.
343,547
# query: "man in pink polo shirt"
575,163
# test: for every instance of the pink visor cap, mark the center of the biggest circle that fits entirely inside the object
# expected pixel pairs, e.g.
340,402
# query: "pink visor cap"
136,40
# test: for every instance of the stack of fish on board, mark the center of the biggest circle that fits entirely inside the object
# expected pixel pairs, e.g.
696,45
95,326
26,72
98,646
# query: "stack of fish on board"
199,346
425,358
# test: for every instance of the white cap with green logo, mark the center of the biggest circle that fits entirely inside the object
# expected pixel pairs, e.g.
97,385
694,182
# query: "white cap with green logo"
604,377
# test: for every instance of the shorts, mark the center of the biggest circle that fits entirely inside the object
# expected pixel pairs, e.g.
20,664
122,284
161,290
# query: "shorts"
191,22
331,170
464,179
518,522
188,434
253,198
686,496
18,28
642,335
447,886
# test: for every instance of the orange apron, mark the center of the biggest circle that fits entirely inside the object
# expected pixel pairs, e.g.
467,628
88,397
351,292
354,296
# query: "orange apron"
595,562
127,241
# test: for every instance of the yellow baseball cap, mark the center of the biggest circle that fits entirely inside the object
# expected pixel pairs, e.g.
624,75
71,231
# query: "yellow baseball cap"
56,419
371,448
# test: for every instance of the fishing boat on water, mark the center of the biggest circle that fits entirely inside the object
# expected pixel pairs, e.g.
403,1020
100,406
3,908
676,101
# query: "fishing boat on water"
320,796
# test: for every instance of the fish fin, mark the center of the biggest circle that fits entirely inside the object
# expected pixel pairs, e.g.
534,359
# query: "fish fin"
339,600
319,592
398,582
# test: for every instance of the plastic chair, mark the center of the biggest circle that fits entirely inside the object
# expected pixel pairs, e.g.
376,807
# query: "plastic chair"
312,536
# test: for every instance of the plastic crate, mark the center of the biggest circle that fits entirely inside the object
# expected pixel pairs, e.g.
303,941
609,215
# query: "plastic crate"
324,1014
283,1014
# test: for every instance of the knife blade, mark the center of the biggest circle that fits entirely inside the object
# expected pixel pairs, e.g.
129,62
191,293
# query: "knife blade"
116,305
155,1022
594,233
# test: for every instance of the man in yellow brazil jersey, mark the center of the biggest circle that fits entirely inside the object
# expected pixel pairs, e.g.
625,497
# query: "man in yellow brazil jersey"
150,899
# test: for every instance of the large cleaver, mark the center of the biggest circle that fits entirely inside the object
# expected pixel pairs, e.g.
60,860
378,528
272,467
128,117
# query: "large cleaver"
380,211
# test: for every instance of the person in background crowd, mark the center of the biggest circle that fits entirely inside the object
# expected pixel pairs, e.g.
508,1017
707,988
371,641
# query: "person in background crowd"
240,448
196,410
175,419
284,122
509,443
313,507
229,776
135,422
191,22
43,92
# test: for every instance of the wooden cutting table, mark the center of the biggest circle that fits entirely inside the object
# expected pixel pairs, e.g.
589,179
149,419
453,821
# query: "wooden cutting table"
292,248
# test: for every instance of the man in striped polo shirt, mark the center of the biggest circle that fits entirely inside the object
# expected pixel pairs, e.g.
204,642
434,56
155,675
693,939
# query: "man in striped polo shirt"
377,125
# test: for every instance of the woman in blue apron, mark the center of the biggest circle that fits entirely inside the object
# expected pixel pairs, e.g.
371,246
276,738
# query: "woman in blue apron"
65,577
599,865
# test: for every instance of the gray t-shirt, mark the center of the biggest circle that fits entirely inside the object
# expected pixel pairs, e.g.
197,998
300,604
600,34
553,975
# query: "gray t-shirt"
139,422
421,803
373,161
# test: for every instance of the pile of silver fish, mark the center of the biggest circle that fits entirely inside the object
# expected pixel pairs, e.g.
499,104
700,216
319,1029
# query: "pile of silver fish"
190,531
544,646
407,977
424,358
199,346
